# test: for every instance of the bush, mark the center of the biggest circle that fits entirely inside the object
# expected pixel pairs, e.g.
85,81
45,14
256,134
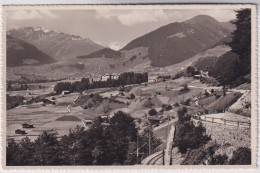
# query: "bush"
182,114
201,155
13,101
219,160
132,96
152,112
176,104
241,156
186,102
188,136
166,107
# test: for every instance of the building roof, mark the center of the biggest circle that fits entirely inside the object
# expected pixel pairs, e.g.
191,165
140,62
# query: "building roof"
154,118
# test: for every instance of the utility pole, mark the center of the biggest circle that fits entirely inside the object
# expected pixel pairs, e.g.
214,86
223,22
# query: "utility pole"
168,117
149,138
163,157
137,153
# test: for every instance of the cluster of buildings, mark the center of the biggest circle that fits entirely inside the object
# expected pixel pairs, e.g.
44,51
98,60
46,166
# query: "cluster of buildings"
104,77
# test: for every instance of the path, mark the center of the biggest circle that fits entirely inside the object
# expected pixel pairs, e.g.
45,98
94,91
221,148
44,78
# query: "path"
153,159
168,151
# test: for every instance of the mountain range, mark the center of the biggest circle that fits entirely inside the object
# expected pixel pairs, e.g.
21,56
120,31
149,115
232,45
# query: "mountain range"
56,44
167,46
176,42
21,53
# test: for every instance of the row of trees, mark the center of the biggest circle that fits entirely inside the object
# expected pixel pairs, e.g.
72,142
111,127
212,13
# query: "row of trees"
10,88
107,142
126,78
13,101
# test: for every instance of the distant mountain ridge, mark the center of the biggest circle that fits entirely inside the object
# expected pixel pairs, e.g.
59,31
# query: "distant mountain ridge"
106,53
20,53
177,42
56,44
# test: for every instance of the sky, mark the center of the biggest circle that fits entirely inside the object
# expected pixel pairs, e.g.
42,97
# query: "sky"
109,27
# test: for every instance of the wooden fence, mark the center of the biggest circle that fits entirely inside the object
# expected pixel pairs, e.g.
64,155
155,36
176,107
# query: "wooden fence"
223,121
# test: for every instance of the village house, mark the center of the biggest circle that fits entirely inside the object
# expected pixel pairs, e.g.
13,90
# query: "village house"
105,77
47,101
65,92
154,120
88,122
152,79
25,125
21,132
114,76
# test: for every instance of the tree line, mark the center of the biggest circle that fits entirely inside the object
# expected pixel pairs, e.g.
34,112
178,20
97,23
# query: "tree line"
126,78
107,142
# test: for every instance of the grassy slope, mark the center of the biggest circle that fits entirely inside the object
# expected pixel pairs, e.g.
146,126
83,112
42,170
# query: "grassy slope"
224,102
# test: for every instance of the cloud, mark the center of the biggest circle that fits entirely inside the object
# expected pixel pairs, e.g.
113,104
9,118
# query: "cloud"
116,45
132,17
30,14
222,15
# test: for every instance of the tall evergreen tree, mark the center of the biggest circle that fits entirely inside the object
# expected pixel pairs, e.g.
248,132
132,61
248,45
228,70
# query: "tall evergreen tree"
241,38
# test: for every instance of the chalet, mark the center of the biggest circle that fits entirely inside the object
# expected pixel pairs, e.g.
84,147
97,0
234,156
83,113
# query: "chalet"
25,125
104,117
154,120
105,77
47,101
152,78
21,132
114,76
197,76
65,92
87,122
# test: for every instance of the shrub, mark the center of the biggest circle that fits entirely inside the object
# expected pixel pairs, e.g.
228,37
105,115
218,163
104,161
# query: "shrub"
186,102
200,156
176,104
132,96
219,160
152,112
188,136
166,107
241,156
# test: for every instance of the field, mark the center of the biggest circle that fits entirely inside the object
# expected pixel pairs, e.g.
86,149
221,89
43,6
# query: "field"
69,110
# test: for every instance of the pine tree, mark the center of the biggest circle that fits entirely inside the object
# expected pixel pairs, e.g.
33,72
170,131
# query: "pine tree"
241,38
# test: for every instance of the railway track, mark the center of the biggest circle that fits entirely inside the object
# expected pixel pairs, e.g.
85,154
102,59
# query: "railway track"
155,159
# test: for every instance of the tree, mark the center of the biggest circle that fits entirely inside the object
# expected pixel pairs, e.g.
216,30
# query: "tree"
13,157
241,38
123,131
9,86
182,115
47,149
75,150
188,136
190,71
